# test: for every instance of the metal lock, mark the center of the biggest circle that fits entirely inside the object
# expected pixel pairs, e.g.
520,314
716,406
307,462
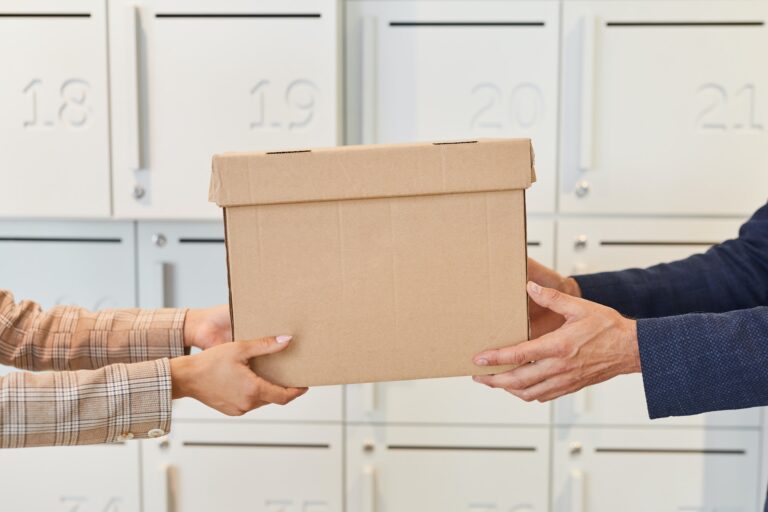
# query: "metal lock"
575,448
164,444
159,239
369,446
139,192
580,243
582,188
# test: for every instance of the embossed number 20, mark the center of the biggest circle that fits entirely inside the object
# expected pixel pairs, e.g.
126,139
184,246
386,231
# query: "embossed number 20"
523,111
72,110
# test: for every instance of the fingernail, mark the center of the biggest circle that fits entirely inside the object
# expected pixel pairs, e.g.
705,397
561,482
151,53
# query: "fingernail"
534,287
481,361
284,339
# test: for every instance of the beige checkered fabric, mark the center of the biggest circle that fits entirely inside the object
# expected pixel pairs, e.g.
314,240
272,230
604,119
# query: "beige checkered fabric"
121,386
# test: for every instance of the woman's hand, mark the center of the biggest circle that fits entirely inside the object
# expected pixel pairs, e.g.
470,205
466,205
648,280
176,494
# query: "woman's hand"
221,378
208,327
544,320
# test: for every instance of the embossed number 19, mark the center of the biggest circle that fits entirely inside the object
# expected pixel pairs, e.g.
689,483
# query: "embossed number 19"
292,108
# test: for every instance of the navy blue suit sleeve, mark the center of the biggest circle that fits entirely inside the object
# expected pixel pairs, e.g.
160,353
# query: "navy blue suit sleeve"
732,275
704,362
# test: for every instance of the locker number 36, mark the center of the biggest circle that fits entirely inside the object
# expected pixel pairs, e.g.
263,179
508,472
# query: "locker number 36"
64,104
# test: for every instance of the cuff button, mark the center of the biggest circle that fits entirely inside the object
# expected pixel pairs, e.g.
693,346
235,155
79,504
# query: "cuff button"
156,432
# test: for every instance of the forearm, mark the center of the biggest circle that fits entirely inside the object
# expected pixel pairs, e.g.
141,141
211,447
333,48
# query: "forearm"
114,403
72,338
732,275
704,362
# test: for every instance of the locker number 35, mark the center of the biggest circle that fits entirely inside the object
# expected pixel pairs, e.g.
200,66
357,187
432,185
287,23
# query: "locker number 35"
64,104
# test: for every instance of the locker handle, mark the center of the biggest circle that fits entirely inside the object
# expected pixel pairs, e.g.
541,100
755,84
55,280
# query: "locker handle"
369,488
160,281
369,90
370,396
132,65
577,490
586,147
169,487
581,402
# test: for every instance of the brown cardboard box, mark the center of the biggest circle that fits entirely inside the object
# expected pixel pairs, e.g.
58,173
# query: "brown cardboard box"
384,262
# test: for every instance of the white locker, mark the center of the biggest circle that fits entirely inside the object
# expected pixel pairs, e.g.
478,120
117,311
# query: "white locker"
541,241
194,78
455,400
663,110
183,264
447,469
637,470
54,127
447,70
594,245
237,467
90,264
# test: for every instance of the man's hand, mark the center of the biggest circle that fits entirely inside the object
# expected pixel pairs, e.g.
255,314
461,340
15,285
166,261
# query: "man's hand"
206,328
221,378
594,344
544,320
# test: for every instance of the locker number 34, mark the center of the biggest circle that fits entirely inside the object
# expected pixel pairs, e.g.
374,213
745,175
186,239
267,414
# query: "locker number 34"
57,104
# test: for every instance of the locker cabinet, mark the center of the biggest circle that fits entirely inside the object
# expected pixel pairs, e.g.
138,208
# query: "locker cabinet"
427,70
456,400
541,240
250,75
636,470
447,469
594,245
54,125
90,264
265,468
662,107
183,264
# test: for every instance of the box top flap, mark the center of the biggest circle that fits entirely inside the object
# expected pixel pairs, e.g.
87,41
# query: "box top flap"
364,172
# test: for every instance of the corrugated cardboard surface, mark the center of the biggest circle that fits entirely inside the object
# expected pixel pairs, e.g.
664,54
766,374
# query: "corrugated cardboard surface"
395,286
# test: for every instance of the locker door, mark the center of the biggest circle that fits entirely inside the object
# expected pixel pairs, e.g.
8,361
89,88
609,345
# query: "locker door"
54,125
637,470
663,110
250,75
541,241
447,469
427,70
456,400
259,468
184,264
592,245
90,264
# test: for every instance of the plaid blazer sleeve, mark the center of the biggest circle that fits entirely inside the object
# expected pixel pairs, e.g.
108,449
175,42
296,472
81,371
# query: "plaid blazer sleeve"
72,338
127,396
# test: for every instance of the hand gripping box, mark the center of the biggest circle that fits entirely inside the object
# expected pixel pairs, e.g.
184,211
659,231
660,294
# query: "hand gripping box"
384,262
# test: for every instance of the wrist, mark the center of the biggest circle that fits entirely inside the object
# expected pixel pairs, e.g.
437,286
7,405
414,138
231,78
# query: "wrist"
191,321
633,347
571,287
182,370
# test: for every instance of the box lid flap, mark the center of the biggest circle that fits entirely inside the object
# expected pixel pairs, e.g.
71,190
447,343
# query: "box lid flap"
361,172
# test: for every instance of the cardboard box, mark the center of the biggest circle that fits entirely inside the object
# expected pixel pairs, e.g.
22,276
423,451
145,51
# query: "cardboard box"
384,262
